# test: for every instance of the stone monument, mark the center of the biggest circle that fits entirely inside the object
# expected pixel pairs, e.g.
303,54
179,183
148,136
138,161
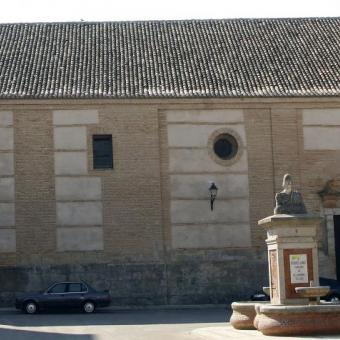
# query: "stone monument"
292,246
288,201
294,307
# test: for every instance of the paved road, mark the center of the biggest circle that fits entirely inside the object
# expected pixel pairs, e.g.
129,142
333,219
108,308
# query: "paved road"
204,324
113,325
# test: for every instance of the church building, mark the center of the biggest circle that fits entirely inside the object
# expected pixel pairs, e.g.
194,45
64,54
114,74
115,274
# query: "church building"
115,138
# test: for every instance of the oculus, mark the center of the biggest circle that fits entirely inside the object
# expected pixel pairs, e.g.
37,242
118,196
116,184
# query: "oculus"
225,146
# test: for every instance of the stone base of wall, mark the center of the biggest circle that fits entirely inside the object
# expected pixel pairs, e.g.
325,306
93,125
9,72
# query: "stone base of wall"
181,282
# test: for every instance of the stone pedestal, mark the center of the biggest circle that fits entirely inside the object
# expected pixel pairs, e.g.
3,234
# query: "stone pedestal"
292,255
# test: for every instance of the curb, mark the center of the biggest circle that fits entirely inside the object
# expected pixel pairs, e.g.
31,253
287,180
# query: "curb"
5,310
169,307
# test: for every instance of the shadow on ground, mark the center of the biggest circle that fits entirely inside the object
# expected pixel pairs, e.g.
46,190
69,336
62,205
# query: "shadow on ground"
140,317
17,334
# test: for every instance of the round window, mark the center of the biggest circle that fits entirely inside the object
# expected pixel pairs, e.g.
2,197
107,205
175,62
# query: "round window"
225,146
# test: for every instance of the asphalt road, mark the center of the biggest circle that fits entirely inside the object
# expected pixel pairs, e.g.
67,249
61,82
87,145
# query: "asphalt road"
113,325
182,324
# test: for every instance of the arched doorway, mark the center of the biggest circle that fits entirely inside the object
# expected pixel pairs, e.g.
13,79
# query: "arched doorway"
330,197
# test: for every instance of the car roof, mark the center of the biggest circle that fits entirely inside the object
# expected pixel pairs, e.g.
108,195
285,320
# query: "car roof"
60,282
69,282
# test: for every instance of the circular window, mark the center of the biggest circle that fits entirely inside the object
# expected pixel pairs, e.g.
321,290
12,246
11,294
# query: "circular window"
225,146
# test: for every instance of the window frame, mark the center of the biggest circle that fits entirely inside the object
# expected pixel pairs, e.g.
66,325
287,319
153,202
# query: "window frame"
231,140
102,137
49,291
211,141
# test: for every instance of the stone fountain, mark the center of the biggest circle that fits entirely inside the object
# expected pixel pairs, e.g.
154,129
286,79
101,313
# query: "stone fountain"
294,307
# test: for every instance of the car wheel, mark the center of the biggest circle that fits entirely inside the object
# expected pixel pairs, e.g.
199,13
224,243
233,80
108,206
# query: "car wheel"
31,307
89,307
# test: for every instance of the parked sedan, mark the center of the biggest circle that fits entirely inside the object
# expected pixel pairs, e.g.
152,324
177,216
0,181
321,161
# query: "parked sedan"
259,296
63,295
334,294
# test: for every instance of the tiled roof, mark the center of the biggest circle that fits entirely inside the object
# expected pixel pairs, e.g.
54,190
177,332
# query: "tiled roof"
196,58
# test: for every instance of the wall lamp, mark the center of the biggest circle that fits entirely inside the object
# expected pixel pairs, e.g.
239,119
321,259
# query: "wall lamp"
213,193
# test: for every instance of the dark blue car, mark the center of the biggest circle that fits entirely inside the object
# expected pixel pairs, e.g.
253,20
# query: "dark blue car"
334,294
66,295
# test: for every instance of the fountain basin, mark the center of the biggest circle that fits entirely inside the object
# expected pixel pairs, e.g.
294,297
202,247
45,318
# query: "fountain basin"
244,314
310,292
297,319
313,293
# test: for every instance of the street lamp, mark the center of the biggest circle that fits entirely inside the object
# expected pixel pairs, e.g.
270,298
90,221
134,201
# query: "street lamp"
213,193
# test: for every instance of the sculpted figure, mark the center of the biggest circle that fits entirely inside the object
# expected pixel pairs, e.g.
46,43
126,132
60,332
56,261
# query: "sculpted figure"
289,201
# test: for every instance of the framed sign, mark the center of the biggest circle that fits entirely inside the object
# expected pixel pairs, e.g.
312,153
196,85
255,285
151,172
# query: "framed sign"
298,268
298,265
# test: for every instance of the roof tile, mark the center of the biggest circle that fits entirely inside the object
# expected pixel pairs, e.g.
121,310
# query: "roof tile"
196,58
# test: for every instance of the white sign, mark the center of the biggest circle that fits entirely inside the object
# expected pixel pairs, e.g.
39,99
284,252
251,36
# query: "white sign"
298,268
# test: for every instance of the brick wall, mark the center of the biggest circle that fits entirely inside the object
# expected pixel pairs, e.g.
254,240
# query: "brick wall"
136,194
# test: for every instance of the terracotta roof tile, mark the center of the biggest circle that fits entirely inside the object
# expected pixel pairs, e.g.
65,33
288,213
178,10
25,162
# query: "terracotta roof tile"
203,58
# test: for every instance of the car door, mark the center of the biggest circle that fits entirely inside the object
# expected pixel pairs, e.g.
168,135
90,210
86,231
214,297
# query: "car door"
55,296
75,294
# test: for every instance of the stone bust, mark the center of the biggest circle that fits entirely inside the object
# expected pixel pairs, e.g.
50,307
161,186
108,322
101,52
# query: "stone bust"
289,201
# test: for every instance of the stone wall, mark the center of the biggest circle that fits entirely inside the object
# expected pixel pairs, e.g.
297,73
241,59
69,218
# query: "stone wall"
214,281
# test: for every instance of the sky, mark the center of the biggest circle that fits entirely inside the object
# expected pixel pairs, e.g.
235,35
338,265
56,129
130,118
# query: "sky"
120,10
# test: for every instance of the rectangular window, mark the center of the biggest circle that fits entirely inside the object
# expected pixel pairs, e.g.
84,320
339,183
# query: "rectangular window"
102,152
58,288
74,287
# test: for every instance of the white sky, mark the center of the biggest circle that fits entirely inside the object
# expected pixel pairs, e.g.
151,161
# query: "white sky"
112,10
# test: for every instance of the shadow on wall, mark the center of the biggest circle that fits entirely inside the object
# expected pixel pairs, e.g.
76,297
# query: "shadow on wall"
18,334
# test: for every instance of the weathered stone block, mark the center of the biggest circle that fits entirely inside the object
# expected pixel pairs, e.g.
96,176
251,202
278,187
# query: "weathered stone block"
7,240
196,186
321,138
78,188
198,161
6,138
7,214
198,211
211,236
75,117
189,135
79,213
70,163
321,116
80,239
7,189
70,138
6,118
205,116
